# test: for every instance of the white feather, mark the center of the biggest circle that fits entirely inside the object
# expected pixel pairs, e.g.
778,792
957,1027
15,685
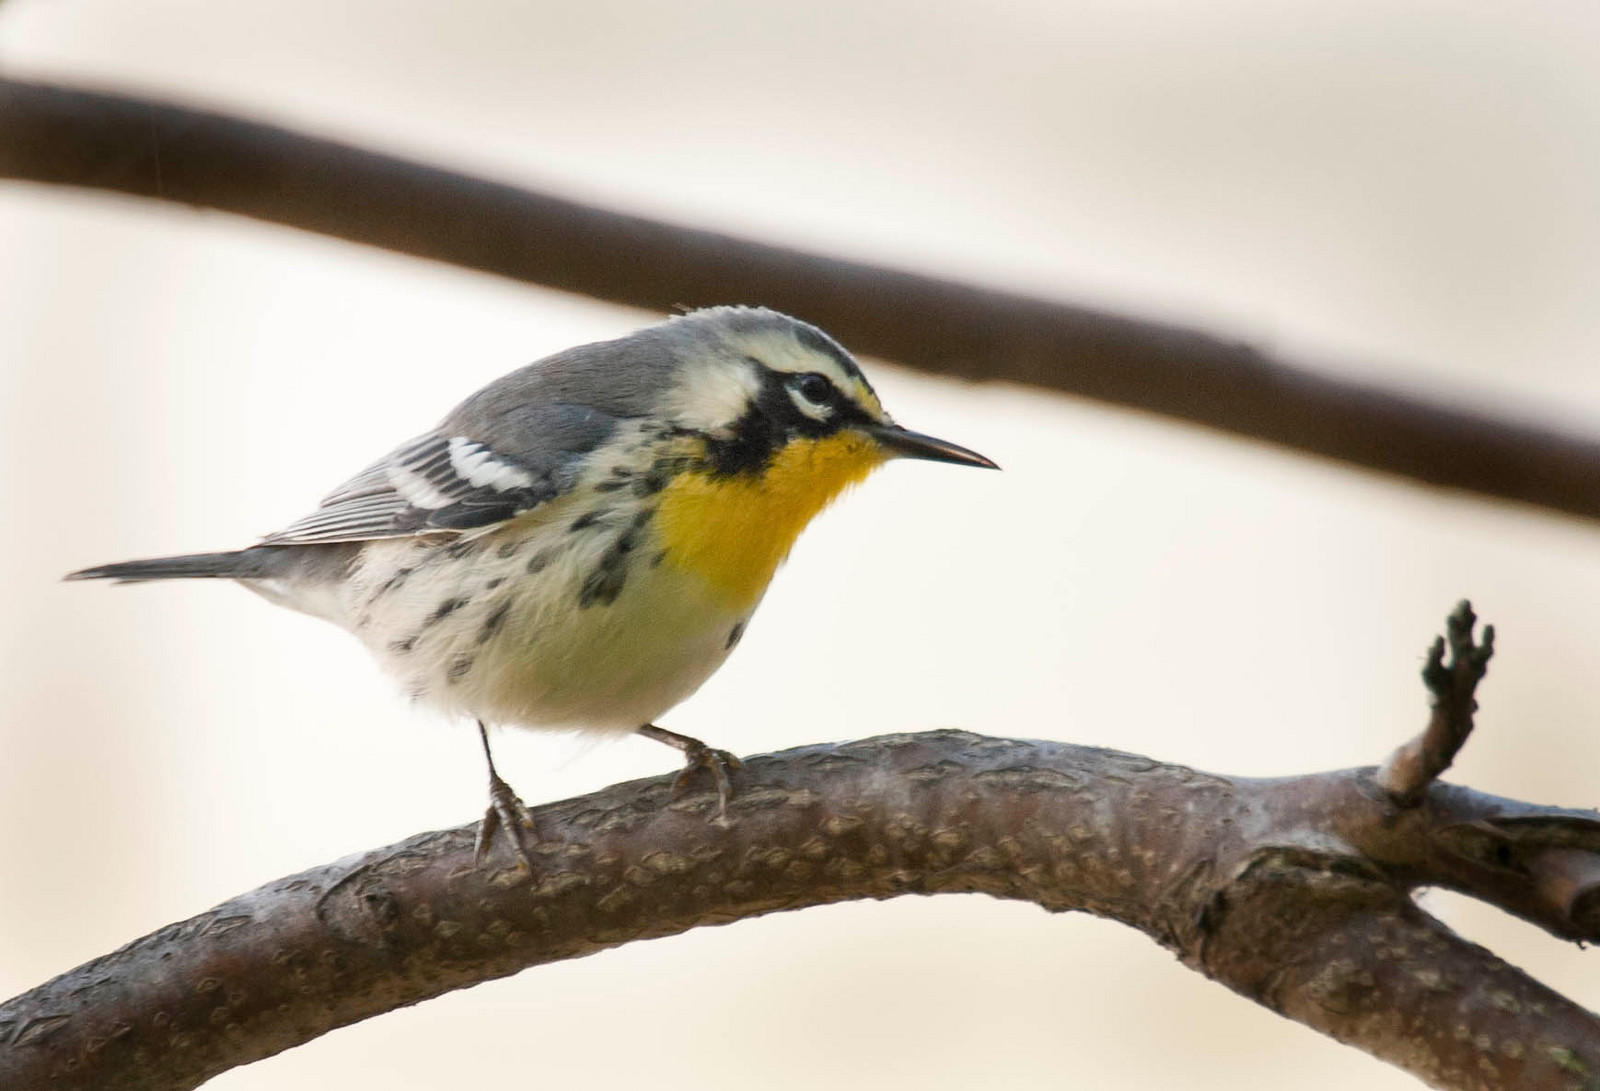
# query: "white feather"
416,489
478,466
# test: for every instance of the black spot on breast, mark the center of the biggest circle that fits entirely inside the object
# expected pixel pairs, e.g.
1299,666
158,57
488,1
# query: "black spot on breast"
733,636
459,666
492,623
658,558
445,609
539,561
496,582
402,646
507,548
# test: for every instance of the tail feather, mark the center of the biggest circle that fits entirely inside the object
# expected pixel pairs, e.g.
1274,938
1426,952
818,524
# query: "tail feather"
240,564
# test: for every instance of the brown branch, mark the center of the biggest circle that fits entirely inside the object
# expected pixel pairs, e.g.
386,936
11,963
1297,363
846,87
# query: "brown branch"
1293,892
209,160
1414,765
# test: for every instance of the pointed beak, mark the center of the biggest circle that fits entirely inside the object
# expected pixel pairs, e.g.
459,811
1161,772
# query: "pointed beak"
904,444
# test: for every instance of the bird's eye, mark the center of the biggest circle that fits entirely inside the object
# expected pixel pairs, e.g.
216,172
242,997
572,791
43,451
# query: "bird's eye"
814,388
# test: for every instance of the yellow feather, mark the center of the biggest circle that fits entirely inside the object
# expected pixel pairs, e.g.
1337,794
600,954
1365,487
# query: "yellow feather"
733,532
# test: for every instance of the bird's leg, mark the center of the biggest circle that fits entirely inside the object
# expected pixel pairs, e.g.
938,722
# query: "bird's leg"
696,756
506,812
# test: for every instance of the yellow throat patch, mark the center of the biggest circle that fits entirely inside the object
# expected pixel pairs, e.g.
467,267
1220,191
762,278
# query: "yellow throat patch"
734,532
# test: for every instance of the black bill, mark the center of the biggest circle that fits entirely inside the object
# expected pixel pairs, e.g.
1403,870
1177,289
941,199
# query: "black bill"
916,445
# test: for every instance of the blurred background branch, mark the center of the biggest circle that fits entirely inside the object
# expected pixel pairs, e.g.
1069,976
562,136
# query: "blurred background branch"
154,149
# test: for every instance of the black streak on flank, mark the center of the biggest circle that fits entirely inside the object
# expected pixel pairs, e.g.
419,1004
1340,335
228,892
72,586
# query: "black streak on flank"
462,548
390,584
628,539
492,623
603,585
652,482
733,636
459,666
444,610
589,518
538,562
403,646
655,561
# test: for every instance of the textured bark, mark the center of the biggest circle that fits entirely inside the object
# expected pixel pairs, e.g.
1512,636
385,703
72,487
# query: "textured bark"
1293,892
208,160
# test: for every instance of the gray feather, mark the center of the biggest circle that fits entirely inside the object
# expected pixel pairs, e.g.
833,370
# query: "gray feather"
255,563
538,425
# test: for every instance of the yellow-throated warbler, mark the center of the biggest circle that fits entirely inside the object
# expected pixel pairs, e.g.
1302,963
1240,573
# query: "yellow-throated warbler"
582,542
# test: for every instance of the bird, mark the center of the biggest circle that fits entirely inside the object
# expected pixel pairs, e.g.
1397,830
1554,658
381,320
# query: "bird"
581,543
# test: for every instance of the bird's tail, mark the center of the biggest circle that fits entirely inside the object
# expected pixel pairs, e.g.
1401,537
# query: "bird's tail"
252,563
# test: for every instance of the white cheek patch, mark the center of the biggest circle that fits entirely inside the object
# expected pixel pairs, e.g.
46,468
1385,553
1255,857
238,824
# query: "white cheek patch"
477,465
717,396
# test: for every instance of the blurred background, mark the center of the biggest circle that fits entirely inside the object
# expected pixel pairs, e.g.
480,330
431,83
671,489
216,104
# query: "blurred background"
1401,189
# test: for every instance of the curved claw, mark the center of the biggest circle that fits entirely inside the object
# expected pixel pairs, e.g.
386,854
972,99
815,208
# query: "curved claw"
506,815
697,756
717,763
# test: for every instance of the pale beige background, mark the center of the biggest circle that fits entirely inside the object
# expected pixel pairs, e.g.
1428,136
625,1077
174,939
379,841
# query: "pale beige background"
1404,188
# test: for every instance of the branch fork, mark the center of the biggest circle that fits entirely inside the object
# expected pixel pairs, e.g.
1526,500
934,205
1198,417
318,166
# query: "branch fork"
1405,776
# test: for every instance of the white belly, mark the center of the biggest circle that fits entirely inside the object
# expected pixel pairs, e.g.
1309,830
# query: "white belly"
595,637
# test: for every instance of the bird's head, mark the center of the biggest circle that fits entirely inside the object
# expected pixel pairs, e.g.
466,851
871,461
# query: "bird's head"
762,387
785,421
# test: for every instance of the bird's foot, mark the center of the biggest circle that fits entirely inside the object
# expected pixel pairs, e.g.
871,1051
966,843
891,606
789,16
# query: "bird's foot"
697,756
719,763
506,815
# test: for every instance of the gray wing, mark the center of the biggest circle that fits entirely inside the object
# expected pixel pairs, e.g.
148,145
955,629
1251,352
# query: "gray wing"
445,482
518,442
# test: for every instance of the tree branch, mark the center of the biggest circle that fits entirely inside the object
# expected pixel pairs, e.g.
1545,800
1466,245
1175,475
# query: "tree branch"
1413,766
209,160
1294,892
